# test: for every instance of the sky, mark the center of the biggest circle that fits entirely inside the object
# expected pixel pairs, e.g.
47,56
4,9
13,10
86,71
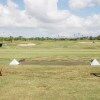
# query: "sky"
49,18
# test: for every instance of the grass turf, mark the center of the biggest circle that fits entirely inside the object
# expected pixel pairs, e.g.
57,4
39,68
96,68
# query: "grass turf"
54,70
41,82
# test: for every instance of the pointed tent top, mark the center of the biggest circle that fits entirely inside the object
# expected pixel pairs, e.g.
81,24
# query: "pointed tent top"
14,62
95,63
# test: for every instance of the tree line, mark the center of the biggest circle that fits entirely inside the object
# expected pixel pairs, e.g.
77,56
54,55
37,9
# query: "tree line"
11,38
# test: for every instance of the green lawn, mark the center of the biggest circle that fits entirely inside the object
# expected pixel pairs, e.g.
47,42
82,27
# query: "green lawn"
53,70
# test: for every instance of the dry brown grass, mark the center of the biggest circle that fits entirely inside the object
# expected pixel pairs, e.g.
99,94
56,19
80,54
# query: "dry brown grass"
42,82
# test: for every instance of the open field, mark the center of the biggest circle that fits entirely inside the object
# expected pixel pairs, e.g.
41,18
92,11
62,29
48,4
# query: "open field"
52,70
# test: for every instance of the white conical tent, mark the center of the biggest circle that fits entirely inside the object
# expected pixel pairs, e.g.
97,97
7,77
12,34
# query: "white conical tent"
14,62
95,62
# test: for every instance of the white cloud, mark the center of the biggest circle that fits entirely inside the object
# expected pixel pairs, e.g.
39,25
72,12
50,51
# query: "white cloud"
44,15
97,1
45,10
78,4
11,16
92,22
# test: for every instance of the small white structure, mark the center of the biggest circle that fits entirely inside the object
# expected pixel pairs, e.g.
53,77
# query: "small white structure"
95,63
14,62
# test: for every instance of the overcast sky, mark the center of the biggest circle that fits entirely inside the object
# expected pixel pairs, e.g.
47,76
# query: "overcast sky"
49,17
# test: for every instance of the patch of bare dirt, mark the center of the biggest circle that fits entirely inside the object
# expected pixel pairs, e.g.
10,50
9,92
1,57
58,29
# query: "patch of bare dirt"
26,44
87,42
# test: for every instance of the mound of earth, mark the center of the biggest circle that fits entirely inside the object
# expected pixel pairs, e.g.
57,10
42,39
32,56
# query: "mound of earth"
26,44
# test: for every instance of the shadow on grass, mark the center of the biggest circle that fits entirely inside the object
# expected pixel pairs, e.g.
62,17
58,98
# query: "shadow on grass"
95,74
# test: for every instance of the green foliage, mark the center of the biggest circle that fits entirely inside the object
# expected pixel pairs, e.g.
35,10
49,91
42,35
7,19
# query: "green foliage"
98,37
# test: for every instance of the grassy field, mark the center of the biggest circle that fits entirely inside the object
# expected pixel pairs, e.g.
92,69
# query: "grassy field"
52,70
